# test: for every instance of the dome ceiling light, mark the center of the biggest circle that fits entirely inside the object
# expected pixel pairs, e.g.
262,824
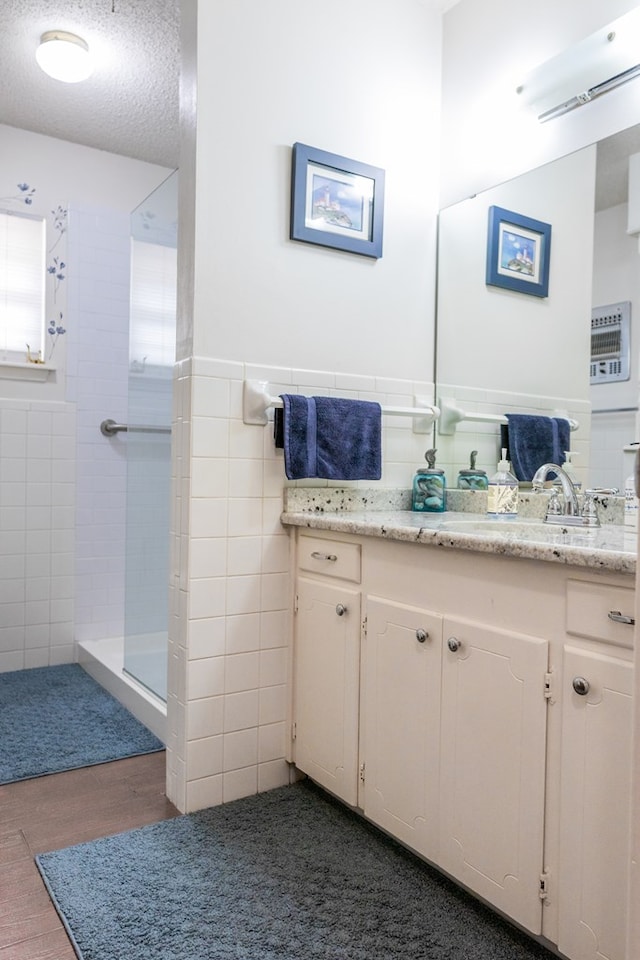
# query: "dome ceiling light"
64,56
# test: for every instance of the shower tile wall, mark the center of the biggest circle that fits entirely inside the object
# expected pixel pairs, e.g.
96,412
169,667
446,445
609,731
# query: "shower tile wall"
230,593
37,489
98,362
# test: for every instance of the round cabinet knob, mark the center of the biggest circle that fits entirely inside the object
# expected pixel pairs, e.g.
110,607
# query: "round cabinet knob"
421,635
454,644
341,609
581,686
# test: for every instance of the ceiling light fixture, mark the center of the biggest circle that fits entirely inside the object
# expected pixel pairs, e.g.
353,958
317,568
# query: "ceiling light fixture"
599,63
64,56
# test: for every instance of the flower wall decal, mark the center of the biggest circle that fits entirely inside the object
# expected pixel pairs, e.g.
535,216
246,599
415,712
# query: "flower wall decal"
24,195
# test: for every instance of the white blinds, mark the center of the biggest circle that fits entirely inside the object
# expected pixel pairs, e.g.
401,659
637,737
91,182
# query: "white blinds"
22,284
152,335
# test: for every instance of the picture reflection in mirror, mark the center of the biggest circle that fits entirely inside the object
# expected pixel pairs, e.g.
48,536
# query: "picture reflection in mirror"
500,351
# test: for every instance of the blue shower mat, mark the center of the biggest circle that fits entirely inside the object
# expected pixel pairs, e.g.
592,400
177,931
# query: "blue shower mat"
58,718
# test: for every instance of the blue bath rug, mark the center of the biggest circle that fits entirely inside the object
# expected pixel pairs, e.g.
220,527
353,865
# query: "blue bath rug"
58,718
284,875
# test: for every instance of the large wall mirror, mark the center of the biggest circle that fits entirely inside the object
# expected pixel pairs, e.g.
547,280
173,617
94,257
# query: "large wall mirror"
502,351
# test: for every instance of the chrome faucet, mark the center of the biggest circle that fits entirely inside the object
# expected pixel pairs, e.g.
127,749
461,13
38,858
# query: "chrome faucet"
571,505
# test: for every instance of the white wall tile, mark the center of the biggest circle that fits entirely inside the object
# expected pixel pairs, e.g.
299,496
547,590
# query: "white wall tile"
200,794
271,742
273,667
243,594
208,557
207,598
208,517
241,710
243,633
242,672
204,757
244,556
276,773
274,628
206,638
239,783
273,704
205,678
240,749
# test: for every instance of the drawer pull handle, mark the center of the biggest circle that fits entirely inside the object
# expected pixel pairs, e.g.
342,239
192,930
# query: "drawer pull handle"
618,617
324,556
581,686
341,609
454,644
421,635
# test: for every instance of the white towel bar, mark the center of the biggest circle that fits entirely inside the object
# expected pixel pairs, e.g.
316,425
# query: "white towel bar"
257,400
451,415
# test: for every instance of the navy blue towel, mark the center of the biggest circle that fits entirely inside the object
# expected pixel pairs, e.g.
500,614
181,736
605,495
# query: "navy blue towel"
535,440
331,438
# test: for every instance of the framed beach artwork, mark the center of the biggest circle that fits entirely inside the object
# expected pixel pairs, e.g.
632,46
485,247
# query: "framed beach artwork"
336,202
518,252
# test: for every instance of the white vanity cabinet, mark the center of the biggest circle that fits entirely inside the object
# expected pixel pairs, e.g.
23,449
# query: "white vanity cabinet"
492,765
326,665
595,778
457,702
401,722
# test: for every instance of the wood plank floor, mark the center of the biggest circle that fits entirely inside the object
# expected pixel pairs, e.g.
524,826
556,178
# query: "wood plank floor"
57,811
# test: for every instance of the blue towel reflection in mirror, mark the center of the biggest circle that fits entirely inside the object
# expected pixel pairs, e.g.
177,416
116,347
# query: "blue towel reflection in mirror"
331,438
534,440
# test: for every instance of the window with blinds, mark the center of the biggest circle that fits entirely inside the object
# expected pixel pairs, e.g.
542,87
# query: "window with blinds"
22,285
152,333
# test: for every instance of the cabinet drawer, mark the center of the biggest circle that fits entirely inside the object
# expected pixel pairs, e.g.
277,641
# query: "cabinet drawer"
589,605
331,558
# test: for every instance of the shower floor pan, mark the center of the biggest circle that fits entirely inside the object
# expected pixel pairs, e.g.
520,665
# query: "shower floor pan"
104,661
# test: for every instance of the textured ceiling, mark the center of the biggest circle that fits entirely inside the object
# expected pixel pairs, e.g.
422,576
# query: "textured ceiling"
130,103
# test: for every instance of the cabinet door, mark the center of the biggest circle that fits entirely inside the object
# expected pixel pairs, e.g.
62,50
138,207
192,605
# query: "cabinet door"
595,805
401,721
493,743
326,684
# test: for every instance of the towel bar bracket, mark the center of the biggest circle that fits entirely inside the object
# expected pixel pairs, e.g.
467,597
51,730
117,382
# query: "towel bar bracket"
257,400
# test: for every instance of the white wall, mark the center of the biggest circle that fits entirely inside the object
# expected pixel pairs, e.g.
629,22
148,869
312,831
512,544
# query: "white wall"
487,136
58,476
360,80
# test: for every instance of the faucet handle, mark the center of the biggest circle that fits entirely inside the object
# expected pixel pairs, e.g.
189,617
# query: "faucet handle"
554,507
589,508
602,491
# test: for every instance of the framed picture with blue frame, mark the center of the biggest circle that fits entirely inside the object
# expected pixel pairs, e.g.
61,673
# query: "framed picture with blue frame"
518,252
336,202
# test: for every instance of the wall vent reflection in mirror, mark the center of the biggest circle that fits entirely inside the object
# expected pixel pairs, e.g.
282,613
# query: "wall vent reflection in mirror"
610,342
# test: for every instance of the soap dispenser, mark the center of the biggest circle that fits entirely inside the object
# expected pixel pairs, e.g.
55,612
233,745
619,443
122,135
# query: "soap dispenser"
473,478
428,486
502,494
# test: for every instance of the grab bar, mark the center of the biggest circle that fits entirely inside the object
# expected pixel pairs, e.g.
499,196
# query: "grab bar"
109,428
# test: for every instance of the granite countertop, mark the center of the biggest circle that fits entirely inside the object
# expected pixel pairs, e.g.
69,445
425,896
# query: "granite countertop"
385,514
